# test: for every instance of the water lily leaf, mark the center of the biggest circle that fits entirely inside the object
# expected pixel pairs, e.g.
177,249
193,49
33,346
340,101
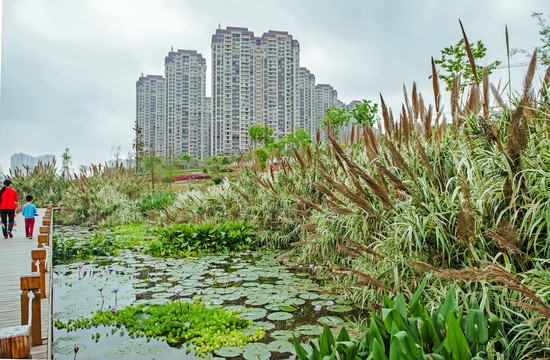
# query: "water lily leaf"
280,346
287,308
309,296
229,351
339,308
330,320
281,334
253,314
280,315
256,351
265,325
309,330
257,301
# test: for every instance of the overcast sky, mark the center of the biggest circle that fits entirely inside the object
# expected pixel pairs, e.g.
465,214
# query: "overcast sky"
69,67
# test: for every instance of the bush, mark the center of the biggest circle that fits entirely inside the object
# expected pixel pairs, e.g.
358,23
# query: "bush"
192,177
217,180
181,239
262,156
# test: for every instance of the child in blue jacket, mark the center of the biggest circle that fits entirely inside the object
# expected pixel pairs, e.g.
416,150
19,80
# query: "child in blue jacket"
29,212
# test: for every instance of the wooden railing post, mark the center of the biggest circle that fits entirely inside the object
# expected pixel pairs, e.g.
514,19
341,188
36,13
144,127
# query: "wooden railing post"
31,282
43,240
44,229
39,265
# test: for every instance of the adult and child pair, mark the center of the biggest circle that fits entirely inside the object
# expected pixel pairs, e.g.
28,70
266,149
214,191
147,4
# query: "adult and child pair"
8,205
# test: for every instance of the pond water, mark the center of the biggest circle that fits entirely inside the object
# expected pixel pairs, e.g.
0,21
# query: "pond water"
277,298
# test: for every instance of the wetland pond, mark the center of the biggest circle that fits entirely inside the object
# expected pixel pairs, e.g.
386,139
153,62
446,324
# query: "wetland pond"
277,298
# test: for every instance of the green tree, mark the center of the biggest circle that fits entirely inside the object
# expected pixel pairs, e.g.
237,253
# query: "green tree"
261,134
337,117
364,112
151,164
544,49
454,62
298,137
186,158
66,162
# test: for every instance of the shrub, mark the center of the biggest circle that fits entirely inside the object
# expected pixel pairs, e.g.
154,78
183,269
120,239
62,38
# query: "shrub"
192,177
217,180
262,156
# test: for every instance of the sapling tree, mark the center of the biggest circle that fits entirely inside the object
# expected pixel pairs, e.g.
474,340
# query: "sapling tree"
454,63
261,134
151,164
66,163
364,112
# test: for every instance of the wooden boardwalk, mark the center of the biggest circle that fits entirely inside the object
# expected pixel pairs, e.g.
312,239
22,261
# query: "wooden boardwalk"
15,257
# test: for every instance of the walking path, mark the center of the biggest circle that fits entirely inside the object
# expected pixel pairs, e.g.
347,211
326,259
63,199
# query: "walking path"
15,257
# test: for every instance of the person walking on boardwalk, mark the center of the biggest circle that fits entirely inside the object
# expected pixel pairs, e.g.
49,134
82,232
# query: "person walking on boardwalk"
29,212
8,199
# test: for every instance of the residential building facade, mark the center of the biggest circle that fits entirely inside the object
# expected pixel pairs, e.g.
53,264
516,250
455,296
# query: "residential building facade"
185,74
151,114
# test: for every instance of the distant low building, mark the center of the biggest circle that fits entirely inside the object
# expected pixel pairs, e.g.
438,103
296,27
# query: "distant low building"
20,160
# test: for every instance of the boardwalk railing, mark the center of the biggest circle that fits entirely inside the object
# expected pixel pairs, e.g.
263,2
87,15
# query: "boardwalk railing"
16,341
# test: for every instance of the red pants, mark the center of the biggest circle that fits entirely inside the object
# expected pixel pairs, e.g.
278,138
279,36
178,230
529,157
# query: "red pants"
29,226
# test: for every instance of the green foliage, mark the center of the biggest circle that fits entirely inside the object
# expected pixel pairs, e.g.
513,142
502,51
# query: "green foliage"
336,116
364,112
43,183
454,63
206,328
67,249
182,239
262,156
298,137
217,180
544,31
261,134
409,332
103,196
156,201
66,163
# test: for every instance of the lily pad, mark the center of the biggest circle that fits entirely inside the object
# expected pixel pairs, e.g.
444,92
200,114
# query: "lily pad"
279,315
253,314
309,330
309,296
229,351
330,320
281,334
340,308
256,351
280,346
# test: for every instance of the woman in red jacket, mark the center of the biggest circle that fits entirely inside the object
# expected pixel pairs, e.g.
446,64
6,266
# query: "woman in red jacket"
8,198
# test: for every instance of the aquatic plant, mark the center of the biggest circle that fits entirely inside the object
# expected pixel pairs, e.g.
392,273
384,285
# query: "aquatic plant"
207,329
82,246
408,331
182,239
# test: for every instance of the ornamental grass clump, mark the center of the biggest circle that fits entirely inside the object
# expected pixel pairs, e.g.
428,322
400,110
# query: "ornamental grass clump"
103,195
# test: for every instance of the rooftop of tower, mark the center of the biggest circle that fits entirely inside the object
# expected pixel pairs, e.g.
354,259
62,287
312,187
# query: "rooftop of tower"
173,54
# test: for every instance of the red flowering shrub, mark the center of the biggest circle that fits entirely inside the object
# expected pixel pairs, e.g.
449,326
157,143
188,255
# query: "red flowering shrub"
192,177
